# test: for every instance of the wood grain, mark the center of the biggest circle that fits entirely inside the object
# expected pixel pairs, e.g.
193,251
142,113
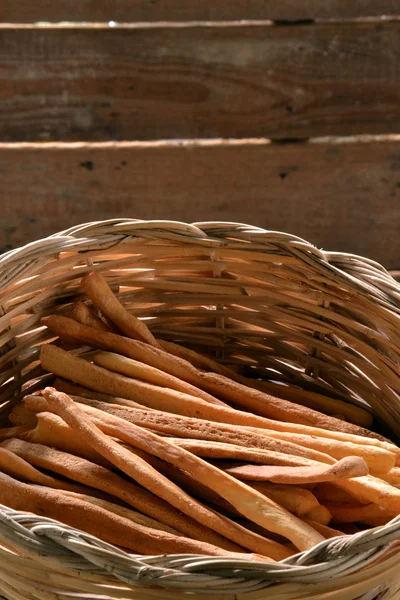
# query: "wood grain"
176,82
340,196
29,11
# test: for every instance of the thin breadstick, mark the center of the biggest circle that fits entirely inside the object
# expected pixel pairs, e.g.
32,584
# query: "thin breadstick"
85,315
319,514
176,425
318,402
379,460
357,513
73,389
374,490
98,478
213,383
392,477
52,431
127,513
151,375
295,499
247,501
330,492
346,468
17,467
102,296
327,532
20,416
97,521
10,432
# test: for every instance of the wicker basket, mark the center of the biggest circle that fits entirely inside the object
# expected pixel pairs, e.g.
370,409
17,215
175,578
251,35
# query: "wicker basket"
326,321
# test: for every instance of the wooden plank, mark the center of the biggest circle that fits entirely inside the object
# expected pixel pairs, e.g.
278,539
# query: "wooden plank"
160,82
30,11
340,196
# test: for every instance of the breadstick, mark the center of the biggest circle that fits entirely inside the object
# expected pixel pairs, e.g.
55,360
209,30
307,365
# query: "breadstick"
16,467
324,530
247,501
97,521
378,460
213,383
295,499
357,513
138,370
182,426
10,432
102,296
52,431
98,478
312,400
85,315
319,402
20,416
319,514
127,513
393,476
73,389
346,468
374,490
330,492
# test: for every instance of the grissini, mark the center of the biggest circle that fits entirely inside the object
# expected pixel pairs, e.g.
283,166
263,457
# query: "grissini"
138,370
10,432
295,499
127,513
318,402
149,394
346,468
17,467
20,416
327,532
319,514
52,431
98,478
181,426
97,521
218,385
102,296
247,501
85,315
357,513
330,492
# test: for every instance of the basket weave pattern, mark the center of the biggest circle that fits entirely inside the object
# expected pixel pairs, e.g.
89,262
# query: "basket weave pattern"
266,302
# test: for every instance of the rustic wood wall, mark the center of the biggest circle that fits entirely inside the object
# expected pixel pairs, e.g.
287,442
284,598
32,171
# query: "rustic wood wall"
283,114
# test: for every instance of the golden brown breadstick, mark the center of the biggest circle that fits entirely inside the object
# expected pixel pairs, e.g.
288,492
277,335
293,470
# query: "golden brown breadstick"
97,521
392,477
52,431
319,402
127,513
374,490
346,468
177,425
20,416
16,467
357,513
98,478
85,315
319,514
378,460
324,530
213,383
312,400
295,499
73,389
102,296
10,432
247,501
330,492
138,370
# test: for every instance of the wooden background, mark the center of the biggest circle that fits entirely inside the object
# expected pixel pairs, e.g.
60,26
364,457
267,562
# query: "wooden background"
283,114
